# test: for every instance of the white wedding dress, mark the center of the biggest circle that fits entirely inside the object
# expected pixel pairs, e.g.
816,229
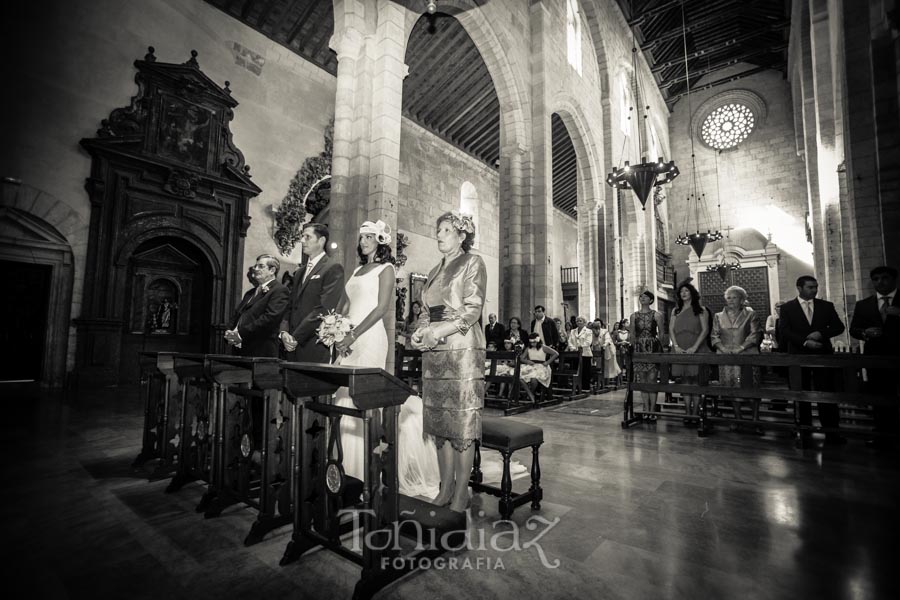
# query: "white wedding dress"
416,456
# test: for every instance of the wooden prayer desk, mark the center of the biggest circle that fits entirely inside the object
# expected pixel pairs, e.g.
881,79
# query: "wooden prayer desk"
250,461
159,387
325,494
198,393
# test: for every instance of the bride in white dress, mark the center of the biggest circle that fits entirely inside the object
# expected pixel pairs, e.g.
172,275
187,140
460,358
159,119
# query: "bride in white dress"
369,295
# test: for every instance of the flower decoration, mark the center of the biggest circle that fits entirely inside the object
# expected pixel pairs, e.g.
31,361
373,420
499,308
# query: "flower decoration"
462,221
380,229
334,328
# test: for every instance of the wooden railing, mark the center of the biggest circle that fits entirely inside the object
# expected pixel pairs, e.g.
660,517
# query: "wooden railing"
846,371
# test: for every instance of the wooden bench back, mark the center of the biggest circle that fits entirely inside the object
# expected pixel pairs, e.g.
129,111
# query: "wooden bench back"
496,358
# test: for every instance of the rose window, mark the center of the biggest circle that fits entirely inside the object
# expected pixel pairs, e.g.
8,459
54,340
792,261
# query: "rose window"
727,126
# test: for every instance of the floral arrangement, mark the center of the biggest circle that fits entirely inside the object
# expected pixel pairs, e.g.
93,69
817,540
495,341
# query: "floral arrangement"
334,328
462,221
305,195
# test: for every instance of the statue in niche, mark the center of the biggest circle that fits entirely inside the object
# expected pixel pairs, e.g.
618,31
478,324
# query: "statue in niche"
166,317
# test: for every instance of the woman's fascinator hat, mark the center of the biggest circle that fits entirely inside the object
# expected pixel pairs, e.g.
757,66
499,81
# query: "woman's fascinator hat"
380,229
462,221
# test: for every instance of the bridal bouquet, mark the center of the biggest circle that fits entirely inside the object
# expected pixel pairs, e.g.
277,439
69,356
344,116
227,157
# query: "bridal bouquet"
334,328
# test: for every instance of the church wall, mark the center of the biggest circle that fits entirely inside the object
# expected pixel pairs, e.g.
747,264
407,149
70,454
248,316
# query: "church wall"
762,182
432,173
565,254
73,66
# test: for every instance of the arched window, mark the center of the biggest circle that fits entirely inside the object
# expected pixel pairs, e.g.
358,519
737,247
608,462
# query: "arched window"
573,34
468,203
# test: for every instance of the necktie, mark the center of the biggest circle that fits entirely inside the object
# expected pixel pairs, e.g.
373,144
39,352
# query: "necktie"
807,308
885,302
306,273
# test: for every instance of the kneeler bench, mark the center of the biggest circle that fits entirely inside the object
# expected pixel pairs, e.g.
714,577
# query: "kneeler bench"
506,436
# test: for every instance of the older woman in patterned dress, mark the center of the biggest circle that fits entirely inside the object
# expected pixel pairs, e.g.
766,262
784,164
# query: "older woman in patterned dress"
454,352
737,330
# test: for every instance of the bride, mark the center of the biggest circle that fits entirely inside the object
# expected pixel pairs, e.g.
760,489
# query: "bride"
368,296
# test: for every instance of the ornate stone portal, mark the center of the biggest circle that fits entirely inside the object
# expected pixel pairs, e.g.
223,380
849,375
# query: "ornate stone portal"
169,198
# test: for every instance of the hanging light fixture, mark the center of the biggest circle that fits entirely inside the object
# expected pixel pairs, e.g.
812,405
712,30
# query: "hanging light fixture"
431,7
696,198
723,268
643,177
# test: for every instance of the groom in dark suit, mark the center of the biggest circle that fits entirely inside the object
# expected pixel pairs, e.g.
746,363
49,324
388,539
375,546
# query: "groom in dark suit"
257,319
318,284
807,325
876,321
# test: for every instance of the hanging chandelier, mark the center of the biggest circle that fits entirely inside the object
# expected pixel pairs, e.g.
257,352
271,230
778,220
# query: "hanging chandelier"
724,267
643,177
696,202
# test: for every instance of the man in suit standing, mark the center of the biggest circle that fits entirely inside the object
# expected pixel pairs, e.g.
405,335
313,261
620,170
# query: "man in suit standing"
494,331
876,321
544,327
807,325
257,318
318,284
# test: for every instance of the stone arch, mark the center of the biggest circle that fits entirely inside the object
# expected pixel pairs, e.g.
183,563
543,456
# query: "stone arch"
38,228
515,146
202,241
592,278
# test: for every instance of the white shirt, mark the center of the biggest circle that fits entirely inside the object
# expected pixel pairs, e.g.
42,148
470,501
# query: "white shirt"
539,329
809,312
311,264
889,296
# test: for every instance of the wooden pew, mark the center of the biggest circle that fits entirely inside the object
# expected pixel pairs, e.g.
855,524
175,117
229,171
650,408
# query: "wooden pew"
848,382
567,377
514,398
160,391
598,368
198,394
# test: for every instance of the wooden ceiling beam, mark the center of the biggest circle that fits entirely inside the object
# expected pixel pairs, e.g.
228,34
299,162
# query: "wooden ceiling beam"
473,80
422,87
697,74
246,9
264,14
488,138
301,21
775,66
477,126
722,45
486,94
691,26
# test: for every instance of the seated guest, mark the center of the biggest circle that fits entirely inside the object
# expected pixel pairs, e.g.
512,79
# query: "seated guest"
516,333
737,330
876,322
494,331
536,360
807,325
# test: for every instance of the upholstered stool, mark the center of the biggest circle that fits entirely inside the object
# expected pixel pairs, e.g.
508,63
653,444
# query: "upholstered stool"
506,436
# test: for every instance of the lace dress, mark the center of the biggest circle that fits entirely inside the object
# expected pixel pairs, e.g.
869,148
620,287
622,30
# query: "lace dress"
416,456
540,372
646,340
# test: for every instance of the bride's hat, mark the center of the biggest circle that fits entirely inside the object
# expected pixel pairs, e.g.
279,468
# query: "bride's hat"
380,229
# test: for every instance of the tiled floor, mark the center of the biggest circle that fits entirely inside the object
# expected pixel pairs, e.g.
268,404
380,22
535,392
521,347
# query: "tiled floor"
650,512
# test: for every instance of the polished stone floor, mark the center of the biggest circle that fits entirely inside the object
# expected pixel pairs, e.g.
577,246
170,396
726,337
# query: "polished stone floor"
651,512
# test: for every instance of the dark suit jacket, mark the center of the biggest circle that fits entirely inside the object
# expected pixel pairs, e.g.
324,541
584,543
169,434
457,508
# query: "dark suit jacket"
317,295
495,333
794,328
551,334
865,315
258,319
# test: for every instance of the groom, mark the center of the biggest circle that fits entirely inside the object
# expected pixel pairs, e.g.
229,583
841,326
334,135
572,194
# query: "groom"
318,284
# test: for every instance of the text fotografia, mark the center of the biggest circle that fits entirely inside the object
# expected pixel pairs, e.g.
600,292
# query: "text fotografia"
501,536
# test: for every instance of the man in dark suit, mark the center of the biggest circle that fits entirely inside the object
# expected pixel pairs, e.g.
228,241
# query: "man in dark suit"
876,321
544,327
257,319
494,331
807,325
318,284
